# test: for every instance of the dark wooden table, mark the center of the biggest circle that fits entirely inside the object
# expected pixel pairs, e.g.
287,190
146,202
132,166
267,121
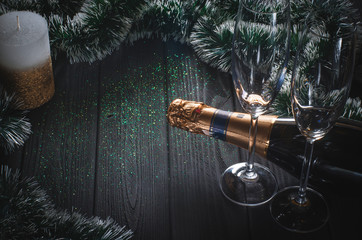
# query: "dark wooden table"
102,146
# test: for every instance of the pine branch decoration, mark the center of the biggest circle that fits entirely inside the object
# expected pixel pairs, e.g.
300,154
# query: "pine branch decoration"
15,128
27,212
167,20
90,30
96,31
213,44
353,109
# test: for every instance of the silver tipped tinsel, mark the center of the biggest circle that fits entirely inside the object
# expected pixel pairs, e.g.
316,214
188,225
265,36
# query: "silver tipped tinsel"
15,128
27,212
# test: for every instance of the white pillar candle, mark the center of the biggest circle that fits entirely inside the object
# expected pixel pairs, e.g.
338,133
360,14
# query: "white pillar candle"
25,62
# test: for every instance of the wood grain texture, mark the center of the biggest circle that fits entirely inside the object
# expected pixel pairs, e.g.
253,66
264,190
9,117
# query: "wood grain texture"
345,212
132,170
60,153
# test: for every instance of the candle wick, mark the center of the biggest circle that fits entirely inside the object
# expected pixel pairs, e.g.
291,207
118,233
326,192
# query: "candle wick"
18,22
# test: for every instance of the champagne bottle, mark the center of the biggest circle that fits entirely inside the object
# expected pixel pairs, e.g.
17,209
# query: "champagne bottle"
336,158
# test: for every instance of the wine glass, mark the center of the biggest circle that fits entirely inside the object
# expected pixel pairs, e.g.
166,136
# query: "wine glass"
321,80
260,52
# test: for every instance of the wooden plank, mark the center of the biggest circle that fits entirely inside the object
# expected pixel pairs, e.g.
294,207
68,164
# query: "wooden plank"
60,153
12,159
132,170
345,212
198,208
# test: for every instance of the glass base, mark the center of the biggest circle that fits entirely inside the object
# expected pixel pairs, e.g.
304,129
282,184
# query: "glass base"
248,190
292,216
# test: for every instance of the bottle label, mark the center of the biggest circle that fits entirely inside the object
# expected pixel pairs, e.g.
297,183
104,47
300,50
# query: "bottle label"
219,124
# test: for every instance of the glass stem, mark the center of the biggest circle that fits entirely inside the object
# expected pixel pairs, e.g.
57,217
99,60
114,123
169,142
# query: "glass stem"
307,162
249,173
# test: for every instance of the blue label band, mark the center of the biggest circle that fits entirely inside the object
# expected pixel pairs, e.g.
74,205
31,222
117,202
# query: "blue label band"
219,124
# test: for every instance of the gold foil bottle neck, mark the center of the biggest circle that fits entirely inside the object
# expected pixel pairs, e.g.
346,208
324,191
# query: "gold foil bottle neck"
197,117
185,115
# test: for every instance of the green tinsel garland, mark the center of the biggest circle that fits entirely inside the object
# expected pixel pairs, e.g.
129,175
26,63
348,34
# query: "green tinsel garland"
90,30
26,212
15,128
